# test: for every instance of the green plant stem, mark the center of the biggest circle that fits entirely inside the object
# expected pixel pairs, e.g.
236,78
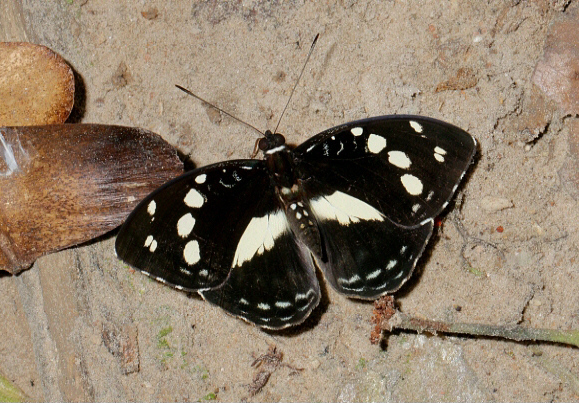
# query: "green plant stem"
519,333
10,393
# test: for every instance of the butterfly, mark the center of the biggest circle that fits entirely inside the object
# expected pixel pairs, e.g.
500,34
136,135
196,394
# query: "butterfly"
357,201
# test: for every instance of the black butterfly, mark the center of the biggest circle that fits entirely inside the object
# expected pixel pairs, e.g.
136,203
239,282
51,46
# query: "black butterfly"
357,200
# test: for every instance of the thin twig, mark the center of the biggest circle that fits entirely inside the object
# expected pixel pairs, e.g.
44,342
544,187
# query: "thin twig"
391,318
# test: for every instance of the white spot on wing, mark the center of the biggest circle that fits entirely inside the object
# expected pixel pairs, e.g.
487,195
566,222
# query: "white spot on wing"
148,241
185,225
376,143
263,306
201,178
151,243
259,236
357,131
374,274
354,289
416,126
344,208
244,301
191,253
399,159
301,296
227,185
391,264
203,273
194,199
151,208
283,304
439,154
412,184
355,278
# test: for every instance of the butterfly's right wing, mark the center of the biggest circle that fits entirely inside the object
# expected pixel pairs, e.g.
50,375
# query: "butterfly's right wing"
375,187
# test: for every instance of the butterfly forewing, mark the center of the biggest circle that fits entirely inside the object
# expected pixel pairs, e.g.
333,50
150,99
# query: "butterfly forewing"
186,232
407,167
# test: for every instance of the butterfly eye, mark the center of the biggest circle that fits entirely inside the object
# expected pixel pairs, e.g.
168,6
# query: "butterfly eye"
271,141
278,140
263,144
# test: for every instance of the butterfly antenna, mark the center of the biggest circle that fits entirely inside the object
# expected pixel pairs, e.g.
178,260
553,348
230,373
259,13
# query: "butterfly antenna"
219,109
297,81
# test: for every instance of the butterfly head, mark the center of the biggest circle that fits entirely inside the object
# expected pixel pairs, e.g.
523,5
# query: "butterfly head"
271,142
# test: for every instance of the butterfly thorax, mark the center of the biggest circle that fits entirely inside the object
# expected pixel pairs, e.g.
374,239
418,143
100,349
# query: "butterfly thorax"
289,190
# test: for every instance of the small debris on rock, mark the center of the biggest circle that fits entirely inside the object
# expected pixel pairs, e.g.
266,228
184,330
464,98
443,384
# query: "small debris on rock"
267,364
151,13
492,204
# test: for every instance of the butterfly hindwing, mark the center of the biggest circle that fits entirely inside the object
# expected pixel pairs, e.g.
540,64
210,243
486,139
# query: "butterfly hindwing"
273,282
407,167
365,254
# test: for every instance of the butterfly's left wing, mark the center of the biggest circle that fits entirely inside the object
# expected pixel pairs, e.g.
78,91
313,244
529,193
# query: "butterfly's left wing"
220,230
375,186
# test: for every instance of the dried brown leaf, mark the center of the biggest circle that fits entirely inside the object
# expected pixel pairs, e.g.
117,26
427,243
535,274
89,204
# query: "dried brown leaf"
61,185
36,85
